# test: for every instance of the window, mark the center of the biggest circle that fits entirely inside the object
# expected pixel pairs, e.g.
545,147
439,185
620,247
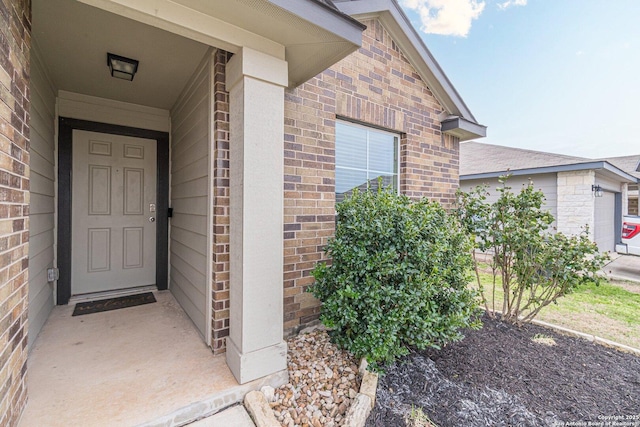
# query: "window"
362,155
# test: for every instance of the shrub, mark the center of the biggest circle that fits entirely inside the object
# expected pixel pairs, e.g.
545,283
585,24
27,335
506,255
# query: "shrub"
398,277
535,267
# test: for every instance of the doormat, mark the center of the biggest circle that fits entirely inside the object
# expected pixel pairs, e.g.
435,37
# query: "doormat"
113,303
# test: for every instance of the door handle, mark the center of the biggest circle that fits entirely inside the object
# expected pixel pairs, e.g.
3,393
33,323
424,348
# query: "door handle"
152,219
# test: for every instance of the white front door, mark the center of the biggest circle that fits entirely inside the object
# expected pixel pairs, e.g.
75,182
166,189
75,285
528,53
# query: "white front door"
112,212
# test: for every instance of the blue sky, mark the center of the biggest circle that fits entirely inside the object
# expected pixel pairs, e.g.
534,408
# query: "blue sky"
553,75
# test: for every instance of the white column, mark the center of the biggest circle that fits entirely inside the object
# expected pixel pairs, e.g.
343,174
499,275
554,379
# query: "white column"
255,346
624,189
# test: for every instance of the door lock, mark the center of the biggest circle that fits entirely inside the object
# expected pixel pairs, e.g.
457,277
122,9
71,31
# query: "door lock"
152,219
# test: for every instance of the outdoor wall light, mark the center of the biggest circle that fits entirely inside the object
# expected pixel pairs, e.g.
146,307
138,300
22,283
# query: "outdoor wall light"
597,190
121,67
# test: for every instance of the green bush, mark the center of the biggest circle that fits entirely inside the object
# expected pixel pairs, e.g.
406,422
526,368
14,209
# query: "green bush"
398,277
530,264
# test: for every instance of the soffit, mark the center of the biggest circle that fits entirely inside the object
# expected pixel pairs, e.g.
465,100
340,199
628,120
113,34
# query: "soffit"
314,36
73,40
310,35
612,176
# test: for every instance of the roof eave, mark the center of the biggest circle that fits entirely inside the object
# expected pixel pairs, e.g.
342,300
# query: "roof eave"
300,9
399,26
344,27
330,18
554,169
463,129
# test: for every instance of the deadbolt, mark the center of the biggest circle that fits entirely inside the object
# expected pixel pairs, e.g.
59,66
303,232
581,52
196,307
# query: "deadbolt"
152,219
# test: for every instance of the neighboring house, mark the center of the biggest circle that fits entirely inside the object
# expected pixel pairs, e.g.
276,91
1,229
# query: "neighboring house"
629,164
248,118
569,184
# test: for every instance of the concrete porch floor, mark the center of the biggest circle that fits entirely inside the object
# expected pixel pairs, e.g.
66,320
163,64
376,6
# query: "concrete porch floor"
137,366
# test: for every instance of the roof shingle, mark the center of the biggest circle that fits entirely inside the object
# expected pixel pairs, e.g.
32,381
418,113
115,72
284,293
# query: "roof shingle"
476,158
629,164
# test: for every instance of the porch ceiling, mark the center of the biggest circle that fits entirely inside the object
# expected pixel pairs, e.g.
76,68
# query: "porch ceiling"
309,34
169,38
314,35
73,41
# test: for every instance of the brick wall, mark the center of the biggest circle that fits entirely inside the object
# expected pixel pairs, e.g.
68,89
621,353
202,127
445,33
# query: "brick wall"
576,202
377,86
220,321
15,42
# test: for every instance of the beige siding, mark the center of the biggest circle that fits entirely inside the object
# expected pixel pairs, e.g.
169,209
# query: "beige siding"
608,184
190,187
545,182
91,108
42,209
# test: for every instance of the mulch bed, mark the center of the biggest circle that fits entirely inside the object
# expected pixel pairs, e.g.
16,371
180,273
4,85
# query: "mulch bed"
498,376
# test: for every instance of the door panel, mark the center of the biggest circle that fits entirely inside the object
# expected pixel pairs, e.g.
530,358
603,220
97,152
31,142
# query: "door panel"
113,202
99,248
133,191
133,250
99,190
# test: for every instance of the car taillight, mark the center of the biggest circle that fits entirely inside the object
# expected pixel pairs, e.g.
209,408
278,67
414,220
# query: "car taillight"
630,230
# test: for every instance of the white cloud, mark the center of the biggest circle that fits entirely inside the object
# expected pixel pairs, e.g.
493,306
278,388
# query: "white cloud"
507,4
446,17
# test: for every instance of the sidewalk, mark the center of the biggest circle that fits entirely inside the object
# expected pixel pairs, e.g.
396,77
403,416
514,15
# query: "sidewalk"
623,267
236,416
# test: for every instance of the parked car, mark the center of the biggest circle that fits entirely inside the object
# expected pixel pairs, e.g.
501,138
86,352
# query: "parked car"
630,236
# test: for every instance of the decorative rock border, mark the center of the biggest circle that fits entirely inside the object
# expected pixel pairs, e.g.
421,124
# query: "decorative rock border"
257,402
259,409
365,400
214,404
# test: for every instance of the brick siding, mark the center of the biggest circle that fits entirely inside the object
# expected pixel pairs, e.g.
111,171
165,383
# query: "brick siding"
220,300
15,42
375,85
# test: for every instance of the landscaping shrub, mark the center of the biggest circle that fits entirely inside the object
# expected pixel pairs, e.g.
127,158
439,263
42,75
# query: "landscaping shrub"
398,276
534,265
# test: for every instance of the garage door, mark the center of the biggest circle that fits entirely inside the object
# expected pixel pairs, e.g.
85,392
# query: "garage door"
604,228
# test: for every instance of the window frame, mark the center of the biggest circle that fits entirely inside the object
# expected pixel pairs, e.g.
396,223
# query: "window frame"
368,129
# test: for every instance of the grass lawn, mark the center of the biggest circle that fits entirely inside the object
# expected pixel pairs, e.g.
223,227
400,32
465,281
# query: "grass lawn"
610,310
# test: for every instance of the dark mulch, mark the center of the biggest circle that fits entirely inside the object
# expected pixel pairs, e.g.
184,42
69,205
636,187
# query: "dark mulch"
497,376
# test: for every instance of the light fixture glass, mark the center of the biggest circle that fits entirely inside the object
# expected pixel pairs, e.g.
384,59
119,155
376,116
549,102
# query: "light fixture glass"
121,67
597,190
